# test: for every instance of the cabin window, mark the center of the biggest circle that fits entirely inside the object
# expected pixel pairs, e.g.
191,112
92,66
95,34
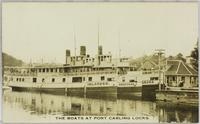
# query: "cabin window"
123,79
76,79
102,78
109,79
23,79
53,80
34,80
51,69
132,81
43,69
63,80
89,78
17,79
47,70
154,78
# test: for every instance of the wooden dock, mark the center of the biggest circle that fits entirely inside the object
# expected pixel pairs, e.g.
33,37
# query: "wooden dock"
179,95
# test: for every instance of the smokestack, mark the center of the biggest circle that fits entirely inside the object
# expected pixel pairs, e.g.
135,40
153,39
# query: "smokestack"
67,56
67,53
100,50
82,50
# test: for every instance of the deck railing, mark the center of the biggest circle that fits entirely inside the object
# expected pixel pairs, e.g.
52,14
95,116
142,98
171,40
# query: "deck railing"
62,74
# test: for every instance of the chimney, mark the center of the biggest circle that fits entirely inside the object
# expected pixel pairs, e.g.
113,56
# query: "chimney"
67,55
100,50
82,50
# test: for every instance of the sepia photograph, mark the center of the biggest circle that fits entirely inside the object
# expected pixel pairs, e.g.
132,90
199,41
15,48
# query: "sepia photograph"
91,62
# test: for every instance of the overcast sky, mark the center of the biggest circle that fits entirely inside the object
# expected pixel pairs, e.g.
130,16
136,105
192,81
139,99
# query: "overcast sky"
45,30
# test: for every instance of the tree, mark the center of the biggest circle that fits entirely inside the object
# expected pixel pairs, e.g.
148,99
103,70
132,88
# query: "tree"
179,56
195,55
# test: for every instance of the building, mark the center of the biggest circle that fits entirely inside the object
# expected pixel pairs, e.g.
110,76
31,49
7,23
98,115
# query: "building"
180,74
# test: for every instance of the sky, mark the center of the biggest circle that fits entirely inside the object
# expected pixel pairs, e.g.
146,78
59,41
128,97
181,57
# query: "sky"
36,31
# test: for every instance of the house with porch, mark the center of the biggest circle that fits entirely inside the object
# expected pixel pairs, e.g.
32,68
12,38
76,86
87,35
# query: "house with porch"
180,74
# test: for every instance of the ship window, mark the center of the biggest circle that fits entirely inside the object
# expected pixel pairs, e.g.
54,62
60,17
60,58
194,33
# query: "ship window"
123,79
17,79
132,81
53,80
34,80
89,78
65,69
23,79
63,79
51,69
154,78
109,79
76,79
43,69
102,78
43,80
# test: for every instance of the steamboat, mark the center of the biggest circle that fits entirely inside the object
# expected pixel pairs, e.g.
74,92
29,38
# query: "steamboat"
80,75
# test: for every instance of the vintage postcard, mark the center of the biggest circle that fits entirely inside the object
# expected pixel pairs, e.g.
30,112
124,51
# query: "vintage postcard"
120,62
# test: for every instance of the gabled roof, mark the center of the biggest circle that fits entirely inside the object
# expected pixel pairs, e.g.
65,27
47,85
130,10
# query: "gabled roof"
178,67
153,63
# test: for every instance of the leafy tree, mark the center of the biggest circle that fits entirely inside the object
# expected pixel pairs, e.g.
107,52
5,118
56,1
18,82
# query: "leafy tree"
195,55
179,56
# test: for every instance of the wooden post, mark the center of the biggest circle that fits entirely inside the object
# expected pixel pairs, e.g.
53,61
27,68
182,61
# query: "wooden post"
66,91
159,52
84,89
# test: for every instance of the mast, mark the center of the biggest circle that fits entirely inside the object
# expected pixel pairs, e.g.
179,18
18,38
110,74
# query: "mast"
119,45
74,45
98,38
98,58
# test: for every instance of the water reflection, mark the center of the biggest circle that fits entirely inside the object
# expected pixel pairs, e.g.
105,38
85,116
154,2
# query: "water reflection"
40,105
171,112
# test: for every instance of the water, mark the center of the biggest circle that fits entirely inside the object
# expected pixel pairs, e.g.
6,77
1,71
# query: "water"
39,107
